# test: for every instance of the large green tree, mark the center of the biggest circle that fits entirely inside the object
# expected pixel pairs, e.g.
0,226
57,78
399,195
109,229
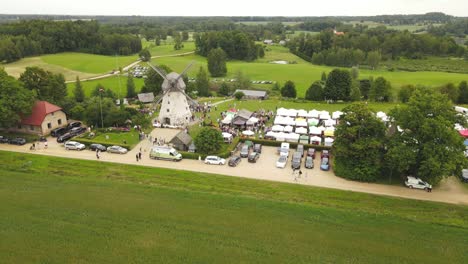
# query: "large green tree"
15,100
202,82
154,81
451,91
405,92
217,62
381,90
315,91
224,89
428,147
145,54
209,140
338,85
78,91
373,59
47,86
359,143
289,89
463,93
131,91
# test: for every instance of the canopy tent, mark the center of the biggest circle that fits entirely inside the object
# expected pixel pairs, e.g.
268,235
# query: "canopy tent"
288,129
300,122
302,113
304,139
329,132
248,133
301,130
328,141
292,137
464,132
292,112
329,122
271,134
281,136
336,114
315,131
324,115
277,128
312,121
458,127
252,120
322,128
282,112
279,120
226,135
227,120
382,116
314,113
315,140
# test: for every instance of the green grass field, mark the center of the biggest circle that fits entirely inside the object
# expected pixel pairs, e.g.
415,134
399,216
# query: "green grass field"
167,49
57,210
118,138
113,83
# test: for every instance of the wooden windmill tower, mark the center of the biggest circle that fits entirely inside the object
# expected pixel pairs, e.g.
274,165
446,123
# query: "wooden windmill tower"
175,107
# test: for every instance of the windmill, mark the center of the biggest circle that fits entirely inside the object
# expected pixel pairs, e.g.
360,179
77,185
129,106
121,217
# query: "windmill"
175,109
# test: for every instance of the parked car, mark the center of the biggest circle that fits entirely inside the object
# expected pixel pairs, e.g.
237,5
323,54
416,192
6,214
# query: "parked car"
465,175
413,182
74,145
244,153
214,160
296,160
311,153
64,137
253,157
4,139
95,147
325,163
73,124
284,149
77,131
309,163
234,161
58,132
257,148
300,148
281,163
17,141
325,153
117,149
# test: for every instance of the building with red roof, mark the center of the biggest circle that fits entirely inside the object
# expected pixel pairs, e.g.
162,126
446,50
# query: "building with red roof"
44,118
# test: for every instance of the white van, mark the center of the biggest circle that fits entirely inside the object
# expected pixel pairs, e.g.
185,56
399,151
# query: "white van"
413,182
163,152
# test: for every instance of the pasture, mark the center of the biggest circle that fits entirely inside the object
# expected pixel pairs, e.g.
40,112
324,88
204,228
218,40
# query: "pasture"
116,84
65,210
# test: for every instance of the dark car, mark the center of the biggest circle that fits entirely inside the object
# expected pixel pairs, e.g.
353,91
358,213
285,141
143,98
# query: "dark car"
58,132
253,157
233,161
311,153
64,137
309,163
296,160
257,148
300,148
95,146
73,124
244,153
17,141
4,139
325,153
77,131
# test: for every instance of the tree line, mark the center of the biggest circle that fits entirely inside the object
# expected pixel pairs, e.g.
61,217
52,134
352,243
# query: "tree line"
36,37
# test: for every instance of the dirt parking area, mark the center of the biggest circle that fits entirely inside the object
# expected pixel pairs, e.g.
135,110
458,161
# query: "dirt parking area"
450,190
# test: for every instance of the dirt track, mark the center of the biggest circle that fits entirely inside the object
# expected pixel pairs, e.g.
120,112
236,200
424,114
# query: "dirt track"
449,191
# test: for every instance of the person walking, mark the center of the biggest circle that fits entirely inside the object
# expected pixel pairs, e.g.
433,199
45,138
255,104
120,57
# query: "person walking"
300,173
137,157
139,154
97,153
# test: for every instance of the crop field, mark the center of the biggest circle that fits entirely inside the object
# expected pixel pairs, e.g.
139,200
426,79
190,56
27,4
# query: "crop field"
372,24
435,64
113,83
57,210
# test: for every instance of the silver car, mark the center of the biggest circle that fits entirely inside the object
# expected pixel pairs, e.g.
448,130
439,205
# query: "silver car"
74,145
117,149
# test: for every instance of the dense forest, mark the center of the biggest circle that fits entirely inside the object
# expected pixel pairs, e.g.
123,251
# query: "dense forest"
35,37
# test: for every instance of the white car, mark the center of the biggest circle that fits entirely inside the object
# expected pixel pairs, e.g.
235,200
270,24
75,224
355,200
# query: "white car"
74,145
214,160
117,149
413,182
281,163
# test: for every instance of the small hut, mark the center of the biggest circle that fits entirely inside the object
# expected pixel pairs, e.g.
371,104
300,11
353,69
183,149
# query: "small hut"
181,141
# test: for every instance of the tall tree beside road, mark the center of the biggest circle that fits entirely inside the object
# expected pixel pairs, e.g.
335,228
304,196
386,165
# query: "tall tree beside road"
428,147
131,93
78,91
217,62
338,85
202,82
15,100
145,54
209,140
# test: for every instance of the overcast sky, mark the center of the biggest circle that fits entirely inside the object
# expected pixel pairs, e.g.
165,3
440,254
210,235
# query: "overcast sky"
234,7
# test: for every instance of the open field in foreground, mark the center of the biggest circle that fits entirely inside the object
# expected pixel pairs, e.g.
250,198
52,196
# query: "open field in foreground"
58,210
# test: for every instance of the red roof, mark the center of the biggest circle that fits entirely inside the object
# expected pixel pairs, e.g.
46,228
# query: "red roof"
39,112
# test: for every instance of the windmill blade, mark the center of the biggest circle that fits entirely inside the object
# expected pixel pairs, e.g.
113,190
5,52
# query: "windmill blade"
185,70
188,97
162,96
158,70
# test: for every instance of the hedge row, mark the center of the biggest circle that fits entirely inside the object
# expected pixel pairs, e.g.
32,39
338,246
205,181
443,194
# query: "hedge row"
88,142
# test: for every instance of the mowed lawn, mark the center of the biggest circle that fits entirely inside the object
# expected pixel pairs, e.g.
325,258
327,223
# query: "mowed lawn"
116,84
57,210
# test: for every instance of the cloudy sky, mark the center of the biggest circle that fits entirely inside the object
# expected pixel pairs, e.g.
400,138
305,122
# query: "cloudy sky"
234,7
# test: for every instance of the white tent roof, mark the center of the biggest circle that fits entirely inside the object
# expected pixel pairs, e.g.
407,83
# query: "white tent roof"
313,121
336,114
329,140
302,112
324,115
288,129
248,132
322,128
227,120
314,113
252,120
315,131
271,134
279,120
281,136
282,112
277,128
292,112
289,121
226,135
301,130
315,138
330,122
301,122
292,136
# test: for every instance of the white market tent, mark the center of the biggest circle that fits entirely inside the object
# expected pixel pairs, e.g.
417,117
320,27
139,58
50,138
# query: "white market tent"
292,137
252,120
302,113
301,130
282,112
292,112
278,120
288,129
289,121
329,141
312,121
336,114
300,122
329,132
314,113
329,122
248,133
227,120
315,131
281,136
315,140
277,128
271,134
324,115
227,135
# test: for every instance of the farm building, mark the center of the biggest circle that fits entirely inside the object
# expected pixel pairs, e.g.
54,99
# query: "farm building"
44,118
268,42
181,141
252,94
146,97
241,118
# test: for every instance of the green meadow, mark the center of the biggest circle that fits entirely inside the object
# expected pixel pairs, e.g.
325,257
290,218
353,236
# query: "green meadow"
115,83
57,210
